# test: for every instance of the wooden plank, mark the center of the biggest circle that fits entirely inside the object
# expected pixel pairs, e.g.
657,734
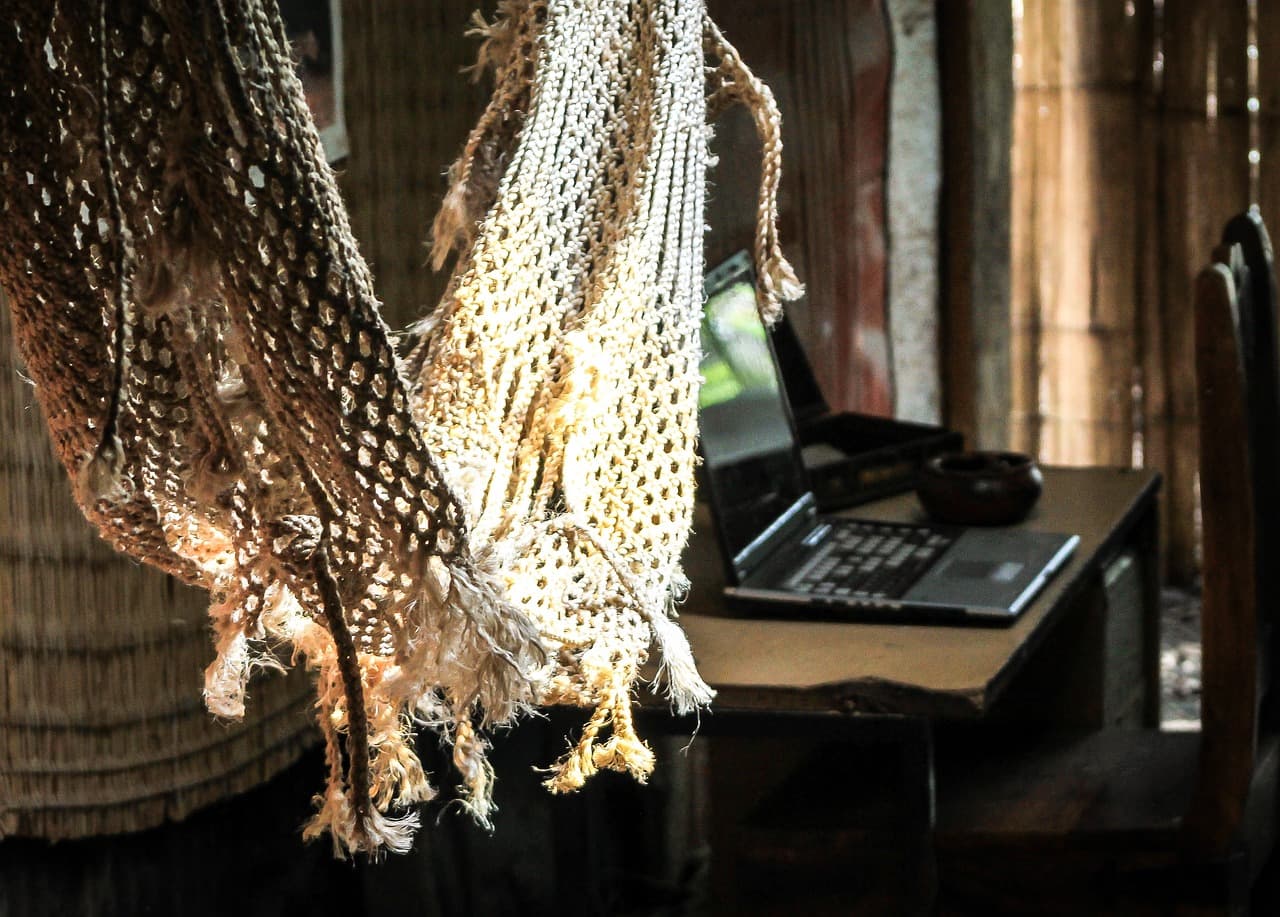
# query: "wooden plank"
913,218
1176,423
1269,113
976,132
1024,293
1203,181
1204,56
959,392
1151,444
1069,45
1268,73
1229,619
1085,270
1074,275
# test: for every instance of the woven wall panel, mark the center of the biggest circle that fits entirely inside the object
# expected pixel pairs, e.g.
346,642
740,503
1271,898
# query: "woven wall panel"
1133,138
102,725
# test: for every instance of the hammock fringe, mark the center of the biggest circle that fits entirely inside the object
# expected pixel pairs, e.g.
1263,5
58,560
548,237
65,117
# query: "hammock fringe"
445,540
734,83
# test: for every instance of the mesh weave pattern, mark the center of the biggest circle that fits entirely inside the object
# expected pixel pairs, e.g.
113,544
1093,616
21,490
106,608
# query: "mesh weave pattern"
494,521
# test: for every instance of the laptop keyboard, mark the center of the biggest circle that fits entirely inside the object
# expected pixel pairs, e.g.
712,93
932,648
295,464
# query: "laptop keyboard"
870,560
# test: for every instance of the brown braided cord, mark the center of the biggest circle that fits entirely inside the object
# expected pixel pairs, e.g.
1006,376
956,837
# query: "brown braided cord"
219,382
733,83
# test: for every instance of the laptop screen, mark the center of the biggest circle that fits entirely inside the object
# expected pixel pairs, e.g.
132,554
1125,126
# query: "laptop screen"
749,451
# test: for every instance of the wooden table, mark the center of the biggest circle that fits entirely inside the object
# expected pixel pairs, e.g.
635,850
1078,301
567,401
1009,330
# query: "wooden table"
1085,654
918,670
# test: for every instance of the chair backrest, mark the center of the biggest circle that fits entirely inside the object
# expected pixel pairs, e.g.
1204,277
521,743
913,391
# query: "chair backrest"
1260,343
1238,392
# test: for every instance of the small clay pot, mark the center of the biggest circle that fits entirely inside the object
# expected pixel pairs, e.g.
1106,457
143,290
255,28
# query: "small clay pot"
979,488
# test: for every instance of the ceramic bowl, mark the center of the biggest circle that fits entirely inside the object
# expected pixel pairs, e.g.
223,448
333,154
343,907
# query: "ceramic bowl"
979,488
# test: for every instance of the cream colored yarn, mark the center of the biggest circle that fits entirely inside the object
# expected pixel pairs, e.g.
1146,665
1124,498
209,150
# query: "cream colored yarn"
559,377
573,457
493,523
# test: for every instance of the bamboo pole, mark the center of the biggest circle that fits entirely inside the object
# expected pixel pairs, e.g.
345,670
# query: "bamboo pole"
1075,252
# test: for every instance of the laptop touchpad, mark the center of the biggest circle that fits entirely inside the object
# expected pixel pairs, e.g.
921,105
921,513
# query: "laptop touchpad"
1000,572
987,569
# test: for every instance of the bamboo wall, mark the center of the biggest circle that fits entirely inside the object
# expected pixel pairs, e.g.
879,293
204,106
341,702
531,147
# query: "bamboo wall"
409,109
1132,134
975,48
102,725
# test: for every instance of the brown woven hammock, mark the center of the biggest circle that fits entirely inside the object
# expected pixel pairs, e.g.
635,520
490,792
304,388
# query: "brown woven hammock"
491,521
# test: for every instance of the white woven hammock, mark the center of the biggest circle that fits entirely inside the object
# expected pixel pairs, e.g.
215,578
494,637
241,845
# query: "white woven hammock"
489,522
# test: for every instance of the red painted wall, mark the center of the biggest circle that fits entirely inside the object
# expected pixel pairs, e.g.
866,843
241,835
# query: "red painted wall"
829,63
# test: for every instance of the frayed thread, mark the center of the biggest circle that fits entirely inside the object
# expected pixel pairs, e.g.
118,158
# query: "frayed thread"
475,176
686,689
227,676
785,286
370,831
488,650
373,835
734,83
470,757
623,750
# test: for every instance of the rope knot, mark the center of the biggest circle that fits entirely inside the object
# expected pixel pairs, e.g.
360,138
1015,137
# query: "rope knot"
295,539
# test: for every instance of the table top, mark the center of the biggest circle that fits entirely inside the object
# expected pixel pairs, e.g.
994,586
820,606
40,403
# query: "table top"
944,671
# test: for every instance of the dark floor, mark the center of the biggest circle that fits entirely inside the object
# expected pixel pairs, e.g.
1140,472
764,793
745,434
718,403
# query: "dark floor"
244,857
615,848
1180,703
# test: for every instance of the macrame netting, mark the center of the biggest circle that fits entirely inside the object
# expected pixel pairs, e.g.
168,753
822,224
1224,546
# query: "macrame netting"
493,520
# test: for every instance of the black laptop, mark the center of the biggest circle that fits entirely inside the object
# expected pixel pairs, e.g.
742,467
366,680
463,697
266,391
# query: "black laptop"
782,557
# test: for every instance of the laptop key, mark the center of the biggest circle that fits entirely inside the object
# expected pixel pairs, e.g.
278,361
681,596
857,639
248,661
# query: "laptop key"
888,546
868,562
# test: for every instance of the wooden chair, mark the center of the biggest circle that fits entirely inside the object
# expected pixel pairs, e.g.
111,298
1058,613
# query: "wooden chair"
1142,821
1260,356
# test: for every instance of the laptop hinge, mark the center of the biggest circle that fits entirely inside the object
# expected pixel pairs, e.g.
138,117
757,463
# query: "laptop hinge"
798,517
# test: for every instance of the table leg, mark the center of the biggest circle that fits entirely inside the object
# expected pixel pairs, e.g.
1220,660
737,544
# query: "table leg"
822,814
